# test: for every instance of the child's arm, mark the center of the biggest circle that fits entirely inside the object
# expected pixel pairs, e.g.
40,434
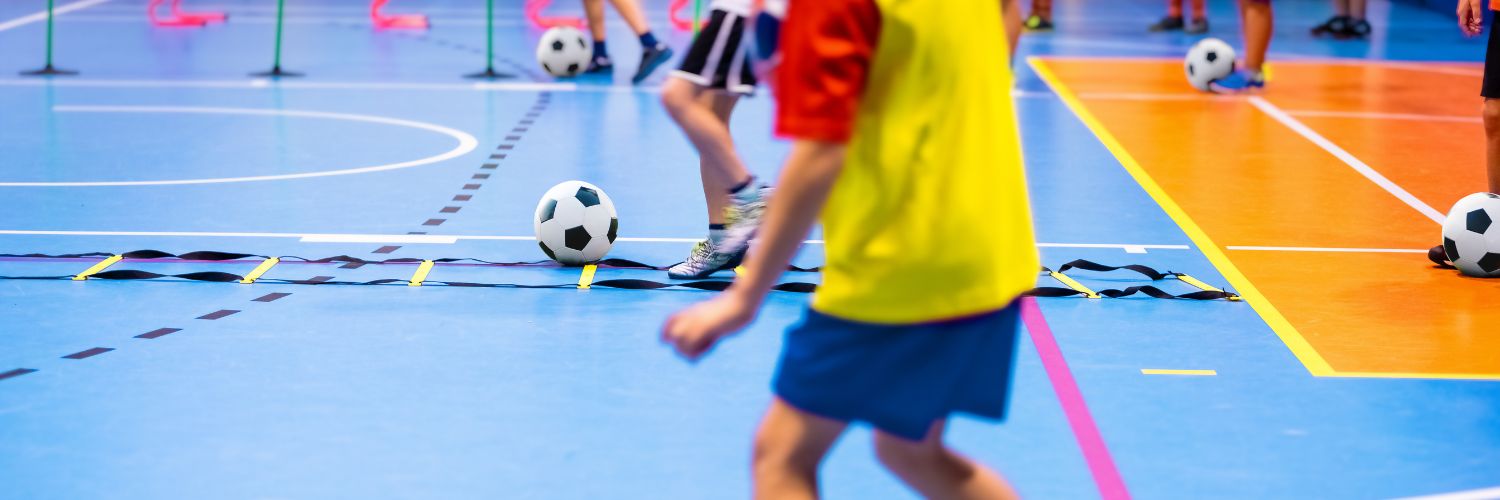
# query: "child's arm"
801,192
1470,17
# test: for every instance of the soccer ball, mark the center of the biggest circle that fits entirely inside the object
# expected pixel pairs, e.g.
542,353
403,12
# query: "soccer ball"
1471,235
564,52
1208,60
576,223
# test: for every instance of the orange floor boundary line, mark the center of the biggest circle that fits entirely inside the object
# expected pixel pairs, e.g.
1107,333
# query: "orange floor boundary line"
1310,358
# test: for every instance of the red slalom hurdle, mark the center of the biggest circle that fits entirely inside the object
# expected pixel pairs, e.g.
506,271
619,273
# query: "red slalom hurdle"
395,21
180,18
534,13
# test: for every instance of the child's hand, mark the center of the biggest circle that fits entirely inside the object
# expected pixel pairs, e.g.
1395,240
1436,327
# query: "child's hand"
1470,17
696,329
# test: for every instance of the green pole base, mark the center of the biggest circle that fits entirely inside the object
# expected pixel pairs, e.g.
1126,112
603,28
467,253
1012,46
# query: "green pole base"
489,74
276,72
49,71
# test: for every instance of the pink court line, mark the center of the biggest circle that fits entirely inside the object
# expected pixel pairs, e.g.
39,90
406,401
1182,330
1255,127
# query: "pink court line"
1095,453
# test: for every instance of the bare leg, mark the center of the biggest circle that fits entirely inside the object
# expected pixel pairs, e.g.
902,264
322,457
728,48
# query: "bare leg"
1174,8
1200,9
1357,8
788,448
935,471
1013,26
631,11
1492,142
703,115
1042,8
1341,7
594,11
1256,15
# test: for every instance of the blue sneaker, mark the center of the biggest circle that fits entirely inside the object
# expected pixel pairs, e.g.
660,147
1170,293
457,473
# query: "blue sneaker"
651,58
1238,82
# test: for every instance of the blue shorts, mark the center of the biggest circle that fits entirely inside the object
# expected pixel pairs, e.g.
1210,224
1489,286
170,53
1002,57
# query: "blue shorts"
899,378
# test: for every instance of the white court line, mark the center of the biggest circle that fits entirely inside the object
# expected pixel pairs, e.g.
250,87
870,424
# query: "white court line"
1145,96
466,143
1387,116
42,16
449,239
1317,249
261,83
1348,159
1480,494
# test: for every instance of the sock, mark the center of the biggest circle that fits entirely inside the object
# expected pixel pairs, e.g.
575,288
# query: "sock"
716,233
600,51
737,188
648,39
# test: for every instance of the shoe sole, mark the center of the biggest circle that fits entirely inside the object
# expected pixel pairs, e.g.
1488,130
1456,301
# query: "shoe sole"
731,264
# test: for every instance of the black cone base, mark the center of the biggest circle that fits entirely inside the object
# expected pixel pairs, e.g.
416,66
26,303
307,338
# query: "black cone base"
490,74
49,71
276,72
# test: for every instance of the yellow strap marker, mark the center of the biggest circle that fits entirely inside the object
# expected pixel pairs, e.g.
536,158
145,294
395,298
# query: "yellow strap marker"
1074,284
586,278
259,270
1201,285
421,274
1158,371
96,268
739,270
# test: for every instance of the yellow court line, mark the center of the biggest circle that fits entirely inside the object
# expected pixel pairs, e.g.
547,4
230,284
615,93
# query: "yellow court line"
421,274
97,267
259,270
1163,371
1289,335
586,278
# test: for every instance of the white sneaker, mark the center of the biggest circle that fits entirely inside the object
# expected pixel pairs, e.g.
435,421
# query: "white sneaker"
704,261
742,219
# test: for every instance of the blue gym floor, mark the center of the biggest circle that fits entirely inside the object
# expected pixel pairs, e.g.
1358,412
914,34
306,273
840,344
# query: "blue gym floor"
164,142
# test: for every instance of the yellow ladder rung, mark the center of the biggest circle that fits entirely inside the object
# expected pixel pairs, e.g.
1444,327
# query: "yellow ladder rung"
421,274
97,267
259,270
1074,284
586,278
1199,284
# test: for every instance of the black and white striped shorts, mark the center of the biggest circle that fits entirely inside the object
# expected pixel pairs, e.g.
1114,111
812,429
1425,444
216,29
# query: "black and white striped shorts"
718,58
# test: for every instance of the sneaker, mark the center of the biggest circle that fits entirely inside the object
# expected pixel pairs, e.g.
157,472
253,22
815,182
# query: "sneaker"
1168,23
1238,82
1333,26
1199,26
705,260
651,58
1438,255
600,65
1036,23
1354,29
743,220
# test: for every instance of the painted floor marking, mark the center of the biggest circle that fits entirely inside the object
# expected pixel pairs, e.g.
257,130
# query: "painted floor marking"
1293,339
1164,371
1386,116
451,239
1479,494
1090,441
263,83
466,143
1349,159
88,353
1319,249
42,16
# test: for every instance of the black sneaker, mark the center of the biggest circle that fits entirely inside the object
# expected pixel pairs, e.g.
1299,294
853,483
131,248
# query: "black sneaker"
1333,26
1037,23
651,58
1168,23
600,65
1355,28
1199,26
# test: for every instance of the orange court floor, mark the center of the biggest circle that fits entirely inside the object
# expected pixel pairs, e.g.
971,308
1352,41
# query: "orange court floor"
1317,199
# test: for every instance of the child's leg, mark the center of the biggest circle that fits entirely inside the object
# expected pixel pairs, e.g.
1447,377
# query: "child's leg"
1174,8
935,471
788,448
1492,141
1256,15
631,11
594,11
1341,8
703,115
1356,8
1200,9
1042,8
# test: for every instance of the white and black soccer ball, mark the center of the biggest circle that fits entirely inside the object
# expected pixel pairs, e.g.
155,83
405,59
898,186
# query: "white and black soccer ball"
1471,235
576,223
1208,60
564,51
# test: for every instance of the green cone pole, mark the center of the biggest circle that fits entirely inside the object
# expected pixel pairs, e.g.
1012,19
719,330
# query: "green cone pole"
49,69
276,70
489,45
